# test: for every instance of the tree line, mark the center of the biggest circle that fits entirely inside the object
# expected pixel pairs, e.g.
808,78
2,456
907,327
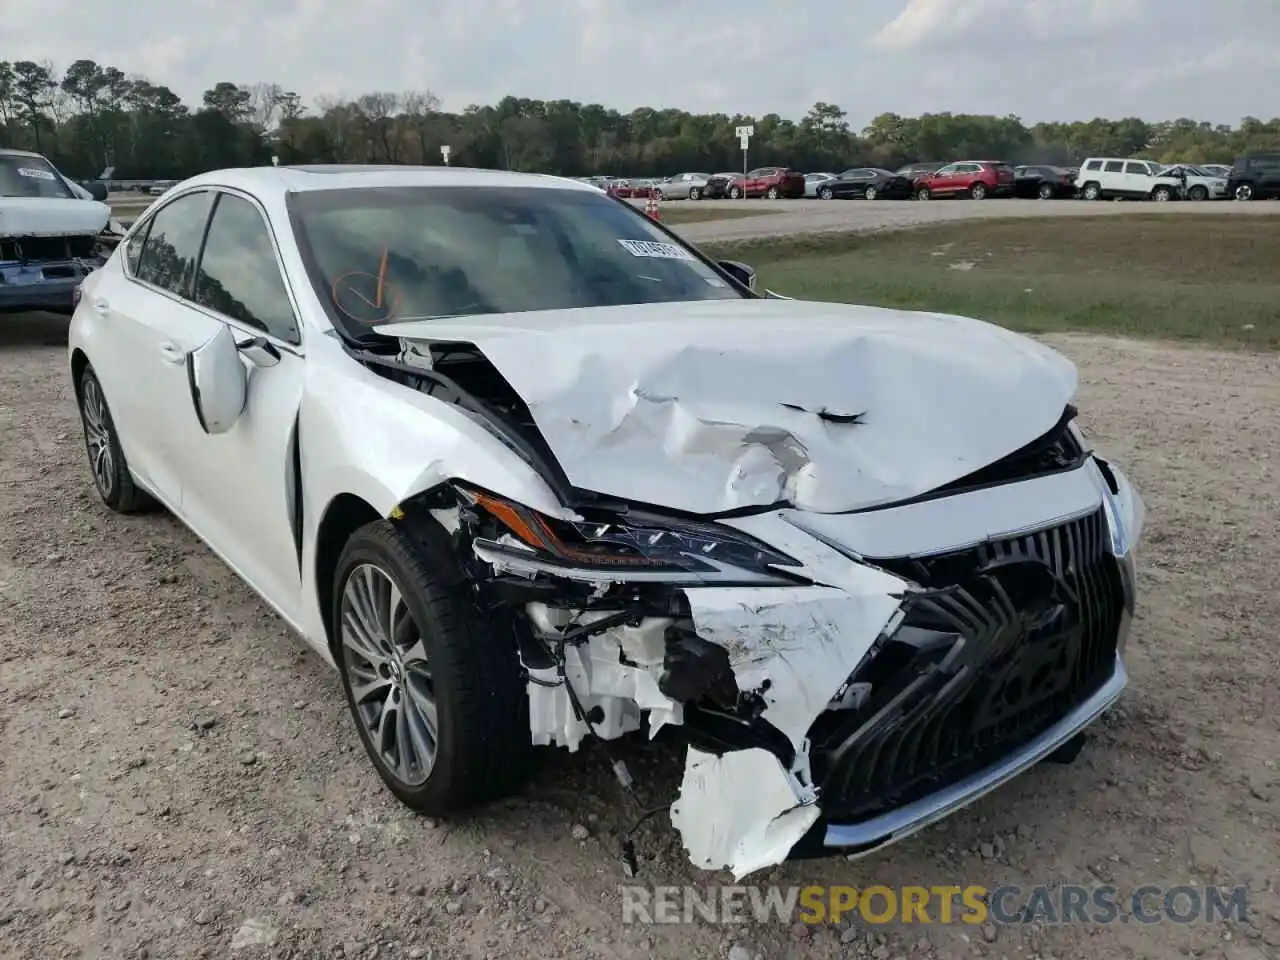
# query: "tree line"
92,116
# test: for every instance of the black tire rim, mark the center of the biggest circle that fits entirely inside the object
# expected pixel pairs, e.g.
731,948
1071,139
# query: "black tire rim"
386,666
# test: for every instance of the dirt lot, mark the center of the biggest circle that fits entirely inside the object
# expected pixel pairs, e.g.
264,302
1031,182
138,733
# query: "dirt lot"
179,778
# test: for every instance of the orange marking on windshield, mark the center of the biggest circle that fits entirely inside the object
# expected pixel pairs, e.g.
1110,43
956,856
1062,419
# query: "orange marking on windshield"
382,274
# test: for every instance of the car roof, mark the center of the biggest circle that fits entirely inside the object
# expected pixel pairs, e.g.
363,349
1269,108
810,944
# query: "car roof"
341,176
8,152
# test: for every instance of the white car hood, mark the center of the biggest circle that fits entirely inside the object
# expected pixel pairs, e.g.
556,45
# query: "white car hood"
51,217
718,405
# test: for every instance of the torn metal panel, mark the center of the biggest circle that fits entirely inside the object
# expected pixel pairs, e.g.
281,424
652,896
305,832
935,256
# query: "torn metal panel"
718,405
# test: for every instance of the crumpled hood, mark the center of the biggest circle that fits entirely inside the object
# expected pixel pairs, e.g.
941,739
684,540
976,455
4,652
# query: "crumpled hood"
51,217
718,405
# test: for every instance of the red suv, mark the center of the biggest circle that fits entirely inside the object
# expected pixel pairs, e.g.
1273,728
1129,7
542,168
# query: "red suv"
975,179
775,182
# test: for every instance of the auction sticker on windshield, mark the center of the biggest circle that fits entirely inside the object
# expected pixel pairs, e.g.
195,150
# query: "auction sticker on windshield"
35,174
655,250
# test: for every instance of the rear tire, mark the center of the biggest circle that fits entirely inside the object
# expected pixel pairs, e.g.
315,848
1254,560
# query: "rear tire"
826,193
1162,194
1198,193
107,464
870,193
772,193
695,193
429,647
1045,192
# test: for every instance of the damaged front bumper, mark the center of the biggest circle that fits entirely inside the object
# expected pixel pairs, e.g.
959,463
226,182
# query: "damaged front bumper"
43,284
913,659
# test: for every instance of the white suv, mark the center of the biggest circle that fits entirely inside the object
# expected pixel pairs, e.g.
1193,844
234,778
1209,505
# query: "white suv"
1105,178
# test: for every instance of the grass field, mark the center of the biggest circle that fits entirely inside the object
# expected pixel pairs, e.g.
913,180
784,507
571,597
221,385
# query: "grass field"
688,212
1178,277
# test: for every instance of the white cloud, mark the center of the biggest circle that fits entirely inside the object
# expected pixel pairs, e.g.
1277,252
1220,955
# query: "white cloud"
1041,59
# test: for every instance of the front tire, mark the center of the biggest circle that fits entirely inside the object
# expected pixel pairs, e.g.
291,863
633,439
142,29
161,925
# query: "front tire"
1092,191
435,692
107,464
1045,192
735,193
924,194
695,193
772,193
1244,192
978,191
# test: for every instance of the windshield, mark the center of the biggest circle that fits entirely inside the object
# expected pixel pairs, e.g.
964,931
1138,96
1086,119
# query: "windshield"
385,254
31,177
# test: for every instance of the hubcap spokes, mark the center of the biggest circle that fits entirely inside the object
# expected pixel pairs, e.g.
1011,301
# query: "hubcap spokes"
391,684
98,438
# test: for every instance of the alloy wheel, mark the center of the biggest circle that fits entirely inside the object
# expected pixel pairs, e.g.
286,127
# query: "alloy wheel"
1046,192
826,193
870,193
97,436
388,670
1244,192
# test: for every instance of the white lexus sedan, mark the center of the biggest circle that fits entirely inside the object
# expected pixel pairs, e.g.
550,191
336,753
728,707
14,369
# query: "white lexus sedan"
527,468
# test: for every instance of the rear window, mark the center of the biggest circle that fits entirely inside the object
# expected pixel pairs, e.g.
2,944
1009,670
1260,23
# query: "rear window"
385,254
31,177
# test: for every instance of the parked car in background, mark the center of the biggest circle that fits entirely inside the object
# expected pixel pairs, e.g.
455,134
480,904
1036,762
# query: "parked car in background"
812,181
1044,182
774,183
724,185
1200,183
1255,176
1222,170
974,179
683,186
867,183
914,171
1111,178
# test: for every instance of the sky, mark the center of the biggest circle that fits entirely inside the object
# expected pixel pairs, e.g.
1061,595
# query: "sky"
1210,60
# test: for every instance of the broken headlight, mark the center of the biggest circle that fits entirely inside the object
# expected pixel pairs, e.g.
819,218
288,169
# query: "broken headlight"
632,547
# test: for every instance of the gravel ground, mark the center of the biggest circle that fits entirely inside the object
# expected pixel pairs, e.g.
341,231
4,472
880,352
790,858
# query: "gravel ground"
179,777
862,216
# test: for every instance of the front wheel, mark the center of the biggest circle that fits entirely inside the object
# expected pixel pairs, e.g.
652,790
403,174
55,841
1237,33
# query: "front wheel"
1244,192
695,193
735,193
978,191
110,471
772,193
1045,192
924,194
1092,191
435,692
870,193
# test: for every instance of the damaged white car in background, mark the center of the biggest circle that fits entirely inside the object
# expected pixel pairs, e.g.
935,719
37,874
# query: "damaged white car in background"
528,469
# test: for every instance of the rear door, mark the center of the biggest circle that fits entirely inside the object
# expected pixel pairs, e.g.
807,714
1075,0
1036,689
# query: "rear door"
146,385
1266,166
1137,179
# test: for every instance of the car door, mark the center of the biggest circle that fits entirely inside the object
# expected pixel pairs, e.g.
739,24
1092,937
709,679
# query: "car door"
1137,179
239,486
942,182
144,373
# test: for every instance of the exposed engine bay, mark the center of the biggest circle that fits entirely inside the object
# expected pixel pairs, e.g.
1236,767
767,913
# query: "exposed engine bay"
840,679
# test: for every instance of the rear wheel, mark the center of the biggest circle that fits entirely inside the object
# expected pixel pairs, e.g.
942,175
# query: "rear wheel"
1198,192
735,193
826,193
435,692
1162,194
106,459
978,191
870,193
772,193
695,193
1045,192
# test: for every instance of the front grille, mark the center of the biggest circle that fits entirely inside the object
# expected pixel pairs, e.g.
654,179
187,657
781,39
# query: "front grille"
1006,639
29,249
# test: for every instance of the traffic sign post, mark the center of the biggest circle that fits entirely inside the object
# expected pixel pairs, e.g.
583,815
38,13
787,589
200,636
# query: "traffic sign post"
444,154
744,140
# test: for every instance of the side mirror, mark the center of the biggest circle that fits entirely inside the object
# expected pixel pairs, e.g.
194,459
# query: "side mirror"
744,274
98,190
219,382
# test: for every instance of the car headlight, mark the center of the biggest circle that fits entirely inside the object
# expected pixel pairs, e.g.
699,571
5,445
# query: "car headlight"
634,547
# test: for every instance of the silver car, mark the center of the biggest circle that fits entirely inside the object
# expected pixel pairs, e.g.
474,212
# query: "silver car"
813,183
683,186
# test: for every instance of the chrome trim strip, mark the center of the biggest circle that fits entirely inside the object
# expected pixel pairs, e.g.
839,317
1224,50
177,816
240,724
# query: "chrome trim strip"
888,828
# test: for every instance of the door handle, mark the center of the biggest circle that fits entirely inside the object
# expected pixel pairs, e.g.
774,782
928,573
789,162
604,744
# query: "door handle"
172,352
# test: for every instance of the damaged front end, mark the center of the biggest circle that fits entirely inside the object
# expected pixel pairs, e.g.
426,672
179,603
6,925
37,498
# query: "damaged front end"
838,689
42,273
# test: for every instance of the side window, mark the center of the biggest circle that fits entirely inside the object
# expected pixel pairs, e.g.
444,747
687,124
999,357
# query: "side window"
133,252
946,171
1093,165
239,276
1138,168
168,257
1114,166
